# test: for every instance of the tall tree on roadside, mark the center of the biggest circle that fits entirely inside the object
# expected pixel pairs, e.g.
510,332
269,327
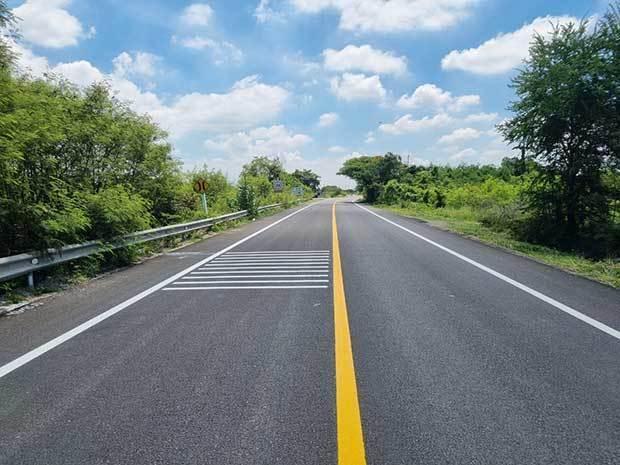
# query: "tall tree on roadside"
7,21
564,119
308,178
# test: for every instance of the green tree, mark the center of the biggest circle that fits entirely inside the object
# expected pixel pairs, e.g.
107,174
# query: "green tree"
564,119
271,168
308,178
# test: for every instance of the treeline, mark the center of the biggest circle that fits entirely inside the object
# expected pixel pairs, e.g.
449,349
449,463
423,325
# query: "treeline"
79,165
565,189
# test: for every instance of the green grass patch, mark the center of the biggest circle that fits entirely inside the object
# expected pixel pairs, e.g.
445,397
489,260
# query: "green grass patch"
465,221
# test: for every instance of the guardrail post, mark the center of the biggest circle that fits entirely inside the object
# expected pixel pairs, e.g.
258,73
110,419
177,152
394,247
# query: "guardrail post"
31,279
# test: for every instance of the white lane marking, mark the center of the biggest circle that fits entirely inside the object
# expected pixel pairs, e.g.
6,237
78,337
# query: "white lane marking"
37,352
254,282
216,263
260,271
240,287
285,252
258,276
267,258
539,295
260,267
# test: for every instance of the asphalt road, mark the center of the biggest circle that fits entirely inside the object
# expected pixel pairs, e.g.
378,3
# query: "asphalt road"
277,342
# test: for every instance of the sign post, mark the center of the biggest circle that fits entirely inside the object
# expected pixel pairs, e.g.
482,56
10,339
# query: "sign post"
278,185
200,187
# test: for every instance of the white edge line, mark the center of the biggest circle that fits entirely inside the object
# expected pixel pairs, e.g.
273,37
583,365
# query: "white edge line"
240,287
539,295
37,352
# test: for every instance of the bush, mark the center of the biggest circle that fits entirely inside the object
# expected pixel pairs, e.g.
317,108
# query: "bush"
114,212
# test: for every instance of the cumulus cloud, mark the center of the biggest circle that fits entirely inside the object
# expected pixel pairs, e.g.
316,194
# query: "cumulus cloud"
364,58
141,64
264,12
328,119
350,87
47,23
505,51
222,51
460,135
481,118
393,15
407,124
248,103
429,96
197,14
463,156
271,141
370,137
337,149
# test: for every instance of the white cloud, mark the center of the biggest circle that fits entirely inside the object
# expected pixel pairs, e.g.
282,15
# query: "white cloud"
350,87
197,14
223,52
481,118
248,103
463,155
460,135
47,23
406,124
264,12
141,64
370,137
429,96
392,15
269,141
364,58
504,52
80,72
337,149
328,119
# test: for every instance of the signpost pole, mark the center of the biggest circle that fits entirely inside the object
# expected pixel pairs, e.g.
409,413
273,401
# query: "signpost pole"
204,202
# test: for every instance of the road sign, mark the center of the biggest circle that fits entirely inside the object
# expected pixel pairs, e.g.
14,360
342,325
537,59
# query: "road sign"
200,186
278,185
298,191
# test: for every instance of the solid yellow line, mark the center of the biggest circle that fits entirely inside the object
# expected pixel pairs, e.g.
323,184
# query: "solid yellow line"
348,419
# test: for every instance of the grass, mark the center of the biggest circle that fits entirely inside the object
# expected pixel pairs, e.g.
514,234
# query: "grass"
464,221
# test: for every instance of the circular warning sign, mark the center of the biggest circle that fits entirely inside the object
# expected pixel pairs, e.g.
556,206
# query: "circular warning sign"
200,186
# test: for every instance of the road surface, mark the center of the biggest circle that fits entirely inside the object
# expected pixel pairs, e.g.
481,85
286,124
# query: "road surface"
321,335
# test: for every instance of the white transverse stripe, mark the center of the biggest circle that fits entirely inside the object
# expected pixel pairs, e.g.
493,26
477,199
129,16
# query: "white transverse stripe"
255,282
240,287
539,295
259,271
29,356
260,267
266,262
258,276
285,252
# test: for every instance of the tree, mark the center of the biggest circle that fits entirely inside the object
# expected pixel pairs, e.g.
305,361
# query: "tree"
308,178
566,118
271,168
372,173
7,21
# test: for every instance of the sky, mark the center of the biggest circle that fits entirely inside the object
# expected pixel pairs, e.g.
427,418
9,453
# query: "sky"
313,82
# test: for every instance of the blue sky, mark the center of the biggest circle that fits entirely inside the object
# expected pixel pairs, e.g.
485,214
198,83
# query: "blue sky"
311,81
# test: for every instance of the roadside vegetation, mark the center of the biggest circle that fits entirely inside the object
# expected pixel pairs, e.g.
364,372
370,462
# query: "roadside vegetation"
558,202
78,165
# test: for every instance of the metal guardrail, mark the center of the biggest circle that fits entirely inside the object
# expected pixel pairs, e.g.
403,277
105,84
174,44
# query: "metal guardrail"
27,263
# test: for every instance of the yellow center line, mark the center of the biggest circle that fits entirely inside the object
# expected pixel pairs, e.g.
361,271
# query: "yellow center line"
348,419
